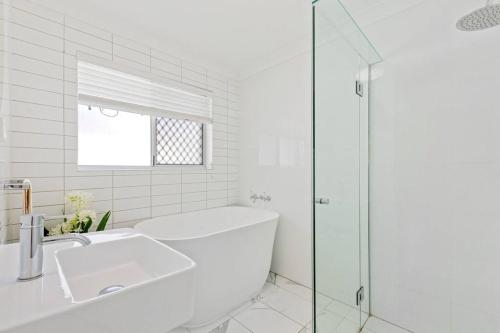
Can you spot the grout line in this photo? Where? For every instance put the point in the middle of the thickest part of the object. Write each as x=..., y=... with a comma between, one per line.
x=135, y=62
x=182, y=201
x=33, y=103
x=32, y=73
x=63, y=113
x=50, y=134
x=129, y=209
x=151, y=194
x=13, y=6
x=390, y=323
x=244, y=326
x=37, y=30
x=31, y=58
x=41, y=90
x=227, y=145
x=34, y=118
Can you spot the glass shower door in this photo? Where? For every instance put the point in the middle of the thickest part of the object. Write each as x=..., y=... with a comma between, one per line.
x=341, y=253
x=337, y=184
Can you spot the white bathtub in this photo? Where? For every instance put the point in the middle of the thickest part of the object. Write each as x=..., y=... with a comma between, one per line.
x=232, y=247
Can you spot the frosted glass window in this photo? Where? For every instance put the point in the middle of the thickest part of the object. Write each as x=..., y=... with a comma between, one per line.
x=113, y=138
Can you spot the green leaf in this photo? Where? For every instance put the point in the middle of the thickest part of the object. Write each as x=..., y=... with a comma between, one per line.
x=104, y=221
x=86, y=226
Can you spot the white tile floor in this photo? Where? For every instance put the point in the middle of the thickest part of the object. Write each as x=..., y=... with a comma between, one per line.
x=285, y=307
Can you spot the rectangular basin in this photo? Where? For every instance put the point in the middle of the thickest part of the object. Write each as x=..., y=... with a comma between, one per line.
x=127, y=262
x=132, y=284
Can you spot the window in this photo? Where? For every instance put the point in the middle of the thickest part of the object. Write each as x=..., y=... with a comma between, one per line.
x=108, y=138
x=178, y=142
x=115, y=138
x=134, y=120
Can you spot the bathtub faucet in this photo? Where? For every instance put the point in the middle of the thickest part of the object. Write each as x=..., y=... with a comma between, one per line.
x=263, y=196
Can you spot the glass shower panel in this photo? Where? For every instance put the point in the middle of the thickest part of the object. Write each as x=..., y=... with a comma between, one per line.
x=337, y=181
x=342, y=58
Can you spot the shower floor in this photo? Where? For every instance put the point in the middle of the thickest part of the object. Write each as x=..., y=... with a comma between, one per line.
x=285, y=307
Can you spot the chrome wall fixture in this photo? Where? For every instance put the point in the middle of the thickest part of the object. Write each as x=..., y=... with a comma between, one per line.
x=262, y=197
x=25, y=186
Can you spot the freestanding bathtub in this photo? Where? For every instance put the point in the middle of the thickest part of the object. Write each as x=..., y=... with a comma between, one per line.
x=232, y=247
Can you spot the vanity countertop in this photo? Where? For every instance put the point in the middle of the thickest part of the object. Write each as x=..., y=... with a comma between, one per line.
x=24, y=302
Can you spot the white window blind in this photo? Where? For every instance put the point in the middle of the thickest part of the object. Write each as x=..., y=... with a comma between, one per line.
x=111, y=88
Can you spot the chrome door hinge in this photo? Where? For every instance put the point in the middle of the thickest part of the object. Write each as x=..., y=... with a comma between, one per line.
x=360, y=295
x=359, y=88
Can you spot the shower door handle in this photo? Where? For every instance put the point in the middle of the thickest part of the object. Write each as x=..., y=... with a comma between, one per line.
x=322, y=201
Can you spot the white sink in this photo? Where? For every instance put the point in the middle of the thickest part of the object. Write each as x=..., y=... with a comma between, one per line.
x=122, y=282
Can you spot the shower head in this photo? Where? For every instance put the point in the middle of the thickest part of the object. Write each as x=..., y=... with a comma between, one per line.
x=480, y=19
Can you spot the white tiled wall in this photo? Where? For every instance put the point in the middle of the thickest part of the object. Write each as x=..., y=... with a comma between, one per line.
x=42, y=47
x=435, y=174
x=276, y=155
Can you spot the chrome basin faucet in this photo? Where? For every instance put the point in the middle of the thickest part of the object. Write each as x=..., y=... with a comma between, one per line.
x=31, y=241
x=31, y=235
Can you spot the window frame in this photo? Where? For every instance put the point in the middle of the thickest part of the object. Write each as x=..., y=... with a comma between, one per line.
x=151, y=111
x=206, y=144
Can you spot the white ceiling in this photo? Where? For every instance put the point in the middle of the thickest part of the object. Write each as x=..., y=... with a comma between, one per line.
x=238, y=36
x=419, y=25
x=229, y=35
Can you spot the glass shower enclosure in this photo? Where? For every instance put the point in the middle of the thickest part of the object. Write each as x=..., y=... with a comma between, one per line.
x=342, y=56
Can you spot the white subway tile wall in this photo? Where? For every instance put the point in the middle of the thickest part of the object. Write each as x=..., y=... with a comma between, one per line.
x=40, y=47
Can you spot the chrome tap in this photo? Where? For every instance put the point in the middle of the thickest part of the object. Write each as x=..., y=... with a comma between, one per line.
x=31, y=235
x=264, y=197
x=254, y=197
x=31, y=241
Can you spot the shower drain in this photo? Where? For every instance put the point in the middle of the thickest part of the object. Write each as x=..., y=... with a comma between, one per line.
x=111, y=289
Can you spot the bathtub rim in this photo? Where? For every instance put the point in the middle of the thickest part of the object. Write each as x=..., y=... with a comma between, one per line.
x=273, y=218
